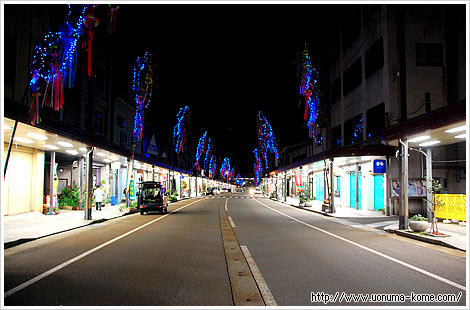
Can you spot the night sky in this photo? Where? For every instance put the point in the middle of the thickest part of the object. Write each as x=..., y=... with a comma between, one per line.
x=226, y=62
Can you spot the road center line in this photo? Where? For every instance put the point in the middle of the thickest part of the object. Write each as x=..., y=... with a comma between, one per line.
x=461, y=287
x=231, y=222
x=226, y=209
x=57, y=268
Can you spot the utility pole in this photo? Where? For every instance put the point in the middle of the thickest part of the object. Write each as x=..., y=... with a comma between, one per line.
x=89, y=182
x=404, y=185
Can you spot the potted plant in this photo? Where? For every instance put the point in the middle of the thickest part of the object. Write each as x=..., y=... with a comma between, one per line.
x=304, y=196
x=419, y=223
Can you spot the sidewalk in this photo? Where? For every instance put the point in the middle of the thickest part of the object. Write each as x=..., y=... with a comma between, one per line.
x=24, y=227
x=455, y=235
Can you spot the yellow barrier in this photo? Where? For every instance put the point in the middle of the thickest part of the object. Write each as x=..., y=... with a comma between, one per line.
x=452, y=207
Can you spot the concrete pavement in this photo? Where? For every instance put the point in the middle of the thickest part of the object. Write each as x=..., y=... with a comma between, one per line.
x=24, y=227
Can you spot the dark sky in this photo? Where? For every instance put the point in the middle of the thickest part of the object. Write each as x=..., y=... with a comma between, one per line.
x=226, y=62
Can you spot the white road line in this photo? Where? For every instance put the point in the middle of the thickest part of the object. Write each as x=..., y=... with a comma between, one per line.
x=226, y=209
x=231, y=222
x=461, y=287
x=51, y=271
x=263, y=287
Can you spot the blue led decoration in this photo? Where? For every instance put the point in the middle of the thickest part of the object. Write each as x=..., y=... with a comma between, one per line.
x=309, y=90
x=239, y=180
x=208, y=154
x=201, y=147
x=179, y=131
x=357, y=133
x=266, y=139
x=142, y=87
x=258, y=167
x=212, y=167
x=225, y=168
x=54, y=62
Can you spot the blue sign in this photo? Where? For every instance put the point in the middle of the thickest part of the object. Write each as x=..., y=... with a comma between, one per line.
x=380, y=166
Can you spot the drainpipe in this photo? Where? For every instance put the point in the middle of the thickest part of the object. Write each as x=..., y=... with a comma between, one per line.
x=357, y=186
x=429, y=208
x=332, y=190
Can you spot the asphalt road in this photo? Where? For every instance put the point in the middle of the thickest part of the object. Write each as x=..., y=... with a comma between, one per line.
x=182, y=259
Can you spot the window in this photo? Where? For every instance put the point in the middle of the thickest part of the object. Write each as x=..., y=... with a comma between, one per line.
x=374, y=58
x=121, y=122
x=336, y=90
x=336, y=137
x=124, y=139
x=98, y=122
x=375, y=120
x=352, y=77
x=353, y=129
x=429, y=54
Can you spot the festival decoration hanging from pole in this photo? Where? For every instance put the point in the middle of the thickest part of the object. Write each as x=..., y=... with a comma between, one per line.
x=179, y=131
x=239, y=180
x=258, y=167
x=309, y=90
x=201, y=148
x=112, y=20
x=54, y=63
x=225, y=168
x=208, y=154
x=91, y=22
x=212, y=167
x=266, y=139
x=142, y=86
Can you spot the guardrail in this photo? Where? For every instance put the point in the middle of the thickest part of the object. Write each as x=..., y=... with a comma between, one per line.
x=452, y=207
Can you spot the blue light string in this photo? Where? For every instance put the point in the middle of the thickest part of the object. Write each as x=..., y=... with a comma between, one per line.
x=200, y=149
x=178, y=130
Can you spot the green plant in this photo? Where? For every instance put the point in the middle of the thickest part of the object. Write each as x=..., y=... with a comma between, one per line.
x=304, y=195
x=418, y=217
x=381, y=210
x=69, y=196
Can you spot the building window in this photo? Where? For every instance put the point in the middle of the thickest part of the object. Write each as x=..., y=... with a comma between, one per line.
x=98, y=122
x=353, y=130
x=352, y=77
x=375, y=121
x=337, y=137
x=336, y=90
x=124, y=139
x=121, y=122
x=429, y=54
x=374, y=58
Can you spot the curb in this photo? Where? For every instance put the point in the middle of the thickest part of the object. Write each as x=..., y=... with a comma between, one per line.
x=431, y=240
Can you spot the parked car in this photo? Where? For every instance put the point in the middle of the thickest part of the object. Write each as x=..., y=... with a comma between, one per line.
x=255, y=190
x=211, y=191
x=152, y=197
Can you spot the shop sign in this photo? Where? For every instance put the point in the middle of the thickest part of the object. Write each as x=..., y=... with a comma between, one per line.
x=131, y=189
x=380, y=166
x=298, y=181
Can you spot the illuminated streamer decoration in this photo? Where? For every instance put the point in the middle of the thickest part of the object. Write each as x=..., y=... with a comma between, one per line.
x=142, y=87
x=258, y=167
x=179, y=131
x=208, y=154
x=266, y=140
x=112, y=17
x=212, y=167
x=309, y=90
x=201, y=147
x=225, y=168
x=91, y=22
x=54, y=63
x=239, y=180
